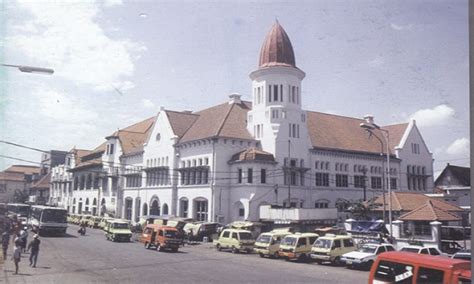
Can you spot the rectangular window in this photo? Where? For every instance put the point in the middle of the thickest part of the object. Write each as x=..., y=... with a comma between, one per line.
x=281, y=93
x=430, y=275
x=393, y=183
x=341, y=181
x=376, y=182
x=275, y=93
x=359, y=181
x=239, y=176
x=322, y=179
x=250, y=176
x=269, y=93
x=111, y=149
x=241, y=212
x=263, y=176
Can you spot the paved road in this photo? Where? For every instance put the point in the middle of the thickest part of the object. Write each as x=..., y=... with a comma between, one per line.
x=92, y=259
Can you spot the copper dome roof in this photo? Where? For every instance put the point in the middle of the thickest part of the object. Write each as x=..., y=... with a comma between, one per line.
x=276, y=49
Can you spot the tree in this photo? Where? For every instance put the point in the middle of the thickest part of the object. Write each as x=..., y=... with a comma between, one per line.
x=358, y=209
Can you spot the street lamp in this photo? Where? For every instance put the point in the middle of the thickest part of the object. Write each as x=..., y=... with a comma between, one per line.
x=370, y=126
x=30, y=69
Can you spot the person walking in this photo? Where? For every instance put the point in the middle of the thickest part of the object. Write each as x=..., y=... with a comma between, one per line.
x=33, y=247
x=5, y=242
x=16, y=256
x=24, y=238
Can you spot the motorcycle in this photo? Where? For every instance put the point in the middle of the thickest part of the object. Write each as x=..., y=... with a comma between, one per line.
x=82, y=231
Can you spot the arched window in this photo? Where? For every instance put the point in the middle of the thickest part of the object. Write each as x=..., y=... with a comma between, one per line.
x=155, y=207
x=183, y=207
x=165, y=209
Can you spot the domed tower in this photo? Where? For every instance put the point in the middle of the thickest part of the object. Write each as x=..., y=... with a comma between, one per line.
x=277, y=119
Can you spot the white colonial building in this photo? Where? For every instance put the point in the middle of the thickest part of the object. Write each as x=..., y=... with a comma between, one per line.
x=224, y=162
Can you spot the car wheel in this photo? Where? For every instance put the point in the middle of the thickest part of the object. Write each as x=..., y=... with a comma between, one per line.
x=234, y=250
x=218, y=247
x=261, y=255
x=174, y=249
x=318, y=261
x=159, y=247
x=147, y=245
x=337, y=261
x=369, y=264
x=276, y=255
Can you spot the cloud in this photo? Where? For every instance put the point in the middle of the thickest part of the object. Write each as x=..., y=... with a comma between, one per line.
x=400, y=27
x=459, y=148
x=439, y=115
x=377, y=61
x=148, y=104
x=66, y=37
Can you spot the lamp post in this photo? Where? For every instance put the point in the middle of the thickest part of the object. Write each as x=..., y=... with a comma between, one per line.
x=370, y=126
x=30, y=69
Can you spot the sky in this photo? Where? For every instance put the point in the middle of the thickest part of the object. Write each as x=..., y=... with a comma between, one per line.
x=117, y=61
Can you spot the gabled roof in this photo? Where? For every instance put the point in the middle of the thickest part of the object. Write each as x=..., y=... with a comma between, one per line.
x=181, y=121
x=24, y=169
x=43, y=183
x=12, y=176
x=252, y=154
x=408, y=201
x=461, y=174
x=132, y=137
x=224, y=120
x=429, y=212
x=337, y=132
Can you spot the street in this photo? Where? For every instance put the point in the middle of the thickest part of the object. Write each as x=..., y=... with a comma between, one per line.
x=91, y=258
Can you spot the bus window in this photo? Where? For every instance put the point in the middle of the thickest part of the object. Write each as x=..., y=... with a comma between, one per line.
x=394, y=272
x=429, y=275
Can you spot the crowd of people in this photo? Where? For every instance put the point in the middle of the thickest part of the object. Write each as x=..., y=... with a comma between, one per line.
x=16, y=233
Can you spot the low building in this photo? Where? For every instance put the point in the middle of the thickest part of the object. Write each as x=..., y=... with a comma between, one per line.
x=17, y=180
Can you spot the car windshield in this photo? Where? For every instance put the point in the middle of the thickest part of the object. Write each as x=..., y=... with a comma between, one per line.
x=323, y=243
x=54, y=216
x=289, y=241
x=120, y=226
x=415, y=250
x=368, y=249
x=170, y=234
x=245, y=236
x=20, y=210
x=264, y=239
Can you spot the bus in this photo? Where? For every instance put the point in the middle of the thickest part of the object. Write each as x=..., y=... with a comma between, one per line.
x=44, y=219
x=21, y=211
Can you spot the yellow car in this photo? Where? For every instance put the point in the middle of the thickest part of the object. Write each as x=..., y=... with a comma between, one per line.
x=235, y=240
x=331, y=248
x=268, y=244
x=297, y=246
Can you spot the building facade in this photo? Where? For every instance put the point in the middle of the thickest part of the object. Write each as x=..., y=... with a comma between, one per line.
x=225, y=162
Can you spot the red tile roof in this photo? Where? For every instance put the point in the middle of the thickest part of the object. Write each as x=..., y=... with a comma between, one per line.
x=181, y=121
x=24, y=169
x=429, y=212
x=224, y=120
x=252, y=154
x=12, y=176
x=408, y=201
x=43, y=183
x=329, y=131
x=277, y=49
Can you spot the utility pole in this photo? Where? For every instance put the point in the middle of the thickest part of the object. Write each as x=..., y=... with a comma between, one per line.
x=364, y=171
x=289, y=174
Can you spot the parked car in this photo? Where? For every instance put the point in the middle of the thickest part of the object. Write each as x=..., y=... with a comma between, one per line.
x=403, y=267
x=450, y=247
x=365, y=256
x=463, y=254
x=160, y=237
x=423, y=250
x=117, y=230
x=331, y=248
x=93, y=222
x=297, y=246
x=103, y=221
x=235, y=240
x=268, y=244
